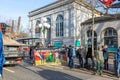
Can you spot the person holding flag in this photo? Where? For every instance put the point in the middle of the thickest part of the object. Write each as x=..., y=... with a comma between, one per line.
x=2, y=58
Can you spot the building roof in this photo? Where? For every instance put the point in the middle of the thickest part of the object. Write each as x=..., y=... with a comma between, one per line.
x=58, y=4
x=109, y=17
x=46, y=8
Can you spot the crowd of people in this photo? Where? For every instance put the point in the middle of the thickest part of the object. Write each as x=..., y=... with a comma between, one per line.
x=98, y=62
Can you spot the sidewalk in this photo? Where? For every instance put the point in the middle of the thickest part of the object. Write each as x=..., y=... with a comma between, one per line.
x=106, y=75
x=109, y=72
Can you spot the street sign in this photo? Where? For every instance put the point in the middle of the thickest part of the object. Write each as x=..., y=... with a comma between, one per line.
x=58, y=44
x=77, y=44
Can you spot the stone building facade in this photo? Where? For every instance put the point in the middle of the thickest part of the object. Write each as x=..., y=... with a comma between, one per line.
x=106, y=32
x=64, y=17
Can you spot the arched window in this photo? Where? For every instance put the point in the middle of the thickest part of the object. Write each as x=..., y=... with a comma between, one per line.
x=48, y=40
x=37, y=29
x=110, y=39
x=37, y=23
x=89, y=35
x=48, y=20
x=59, y=26
x=110, y=32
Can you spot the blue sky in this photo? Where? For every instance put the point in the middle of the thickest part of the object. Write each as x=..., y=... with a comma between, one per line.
x=12, y=9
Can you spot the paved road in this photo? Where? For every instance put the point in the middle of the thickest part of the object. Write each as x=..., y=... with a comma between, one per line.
x=29, y=72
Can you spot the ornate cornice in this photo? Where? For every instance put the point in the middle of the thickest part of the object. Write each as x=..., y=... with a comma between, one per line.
x=109, y=17
x=50, y=7
x=59, y=4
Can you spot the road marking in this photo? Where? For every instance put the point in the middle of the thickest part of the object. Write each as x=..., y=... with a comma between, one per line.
x=9, y=70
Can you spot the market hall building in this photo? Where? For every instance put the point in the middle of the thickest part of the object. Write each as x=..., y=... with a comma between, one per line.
x=106, y=32
x=65, y=18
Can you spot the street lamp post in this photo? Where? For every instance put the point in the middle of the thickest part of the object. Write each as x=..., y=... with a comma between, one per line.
x=92, y=28
x=44, y=26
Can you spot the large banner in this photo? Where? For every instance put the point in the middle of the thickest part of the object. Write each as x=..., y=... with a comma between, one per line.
x=49, y=58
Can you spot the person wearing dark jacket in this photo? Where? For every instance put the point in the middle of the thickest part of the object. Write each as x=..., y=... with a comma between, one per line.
x=106, y=57
x=31, y=52
x=89, y=55
x=69, y=55
x=81, y=53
